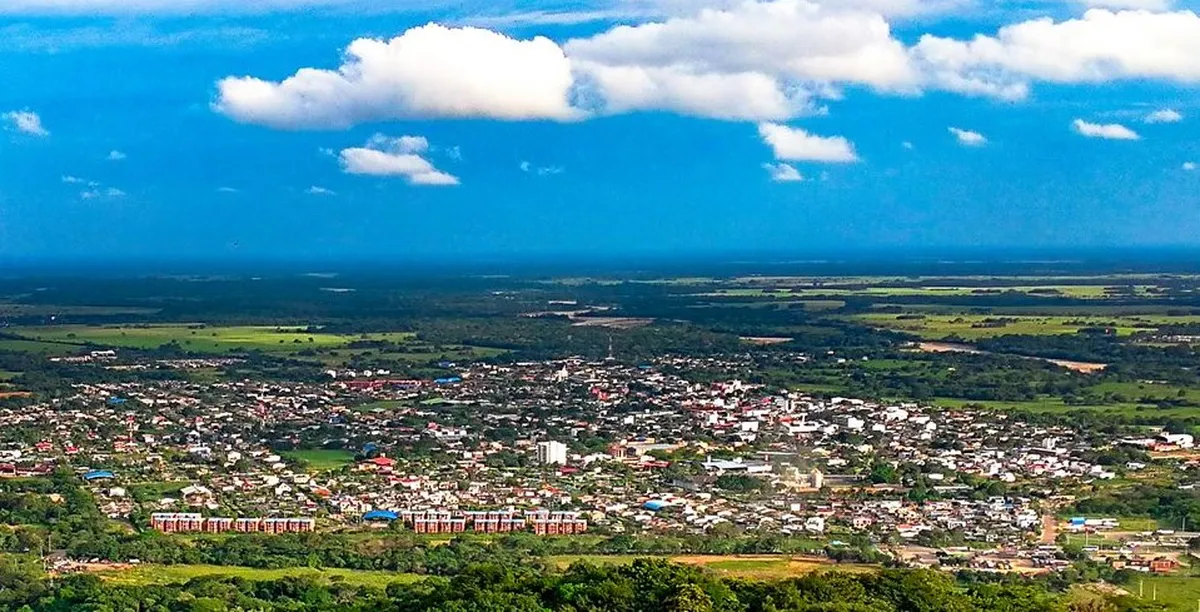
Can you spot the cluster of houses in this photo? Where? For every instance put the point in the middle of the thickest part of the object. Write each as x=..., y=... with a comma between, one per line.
x=557, y=447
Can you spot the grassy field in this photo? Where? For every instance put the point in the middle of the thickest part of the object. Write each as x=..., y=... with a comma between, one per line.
x=168, y=574
x=1137, y=391
x=1056, y=405
x=762, y=567
x=975, y=326
x=199, y=338
x=1178, y=592
x=49, y=349
x=321, y=460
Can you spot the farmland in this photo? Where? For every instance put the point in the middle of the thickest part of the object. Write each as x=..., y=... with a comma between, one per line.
x=976, y=326
x=196, y=337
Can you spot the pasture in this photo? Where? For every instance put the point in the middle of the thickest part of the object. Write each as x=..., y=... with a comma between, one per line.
x=147, y=574
x=977, y=326
x=198, y=338
x=321, y=460
x=760, y=567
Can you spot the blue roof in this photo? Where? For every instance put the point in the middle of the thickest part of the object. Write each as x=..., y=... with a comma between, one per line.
x=655, y=505
x=98, y=474
x=380, y=515
x=116, y=400
x=448, y=380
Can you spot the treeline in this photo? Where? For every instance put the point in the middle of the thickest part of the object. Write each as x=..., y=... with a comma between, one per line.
x=642, y=586
x=1169, y=505
x=1175, y=364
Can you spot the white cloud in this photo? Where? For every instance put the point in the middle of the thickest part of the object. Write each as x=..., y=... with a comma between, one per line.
x=430, y=71
x=115, y=155
x=541, y=170
x=228, y=190
x=26, y=122
x=795, y=144
x=320, y=191
x=967, y=138
x=72, y=180
x=1166, y=115
x=1189, y=166
x=1101, y=46
x=783, y=173
x=384, y=156
x=1110, y=131
x=752, y=60
x=110, y=192
x=907, y=145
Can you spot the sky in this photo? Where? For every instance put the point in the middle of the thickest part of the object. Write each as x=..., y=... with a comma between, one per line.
x=392, y=129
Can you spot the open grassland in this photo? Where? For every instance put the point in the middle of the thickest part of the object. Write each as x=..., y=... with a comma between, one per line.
x=321, y=460
x=1057, y=405
x=49, y=349
x=167, y=574
x=762, y=567
x=976, y=326
x=199, y=338
x=1179, y=592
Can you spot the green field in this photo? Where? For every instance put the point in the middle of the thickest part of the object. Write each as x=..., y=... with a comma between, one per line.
x=321, y=460
x=1057, y=405
x=1179, y=592
x=199, y=338
x=167, y=574
x=975, y=326
x=49, y=349
x=760, y=567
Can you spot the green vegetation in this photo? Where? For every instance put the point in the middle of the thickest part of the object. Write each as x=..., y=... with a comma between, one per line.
x=974, y=327
x=196, y=337
x=320, y=460
x=141, y=575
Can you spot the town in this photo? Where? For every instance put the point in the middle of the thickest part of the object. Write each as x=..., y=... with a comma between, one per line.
x=569, y=446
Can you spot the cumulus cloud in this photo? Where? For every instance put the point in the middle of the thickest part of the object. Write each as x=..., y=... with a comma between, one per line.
x=320, y=191
x=1166, y=115
x=1101, y=46
x=429, y=71
x=795, y=144
x=967, y=138
x=402, y=157
x=72, y=180
x=115, y=155
x=783, y=173
x=1110, y=131
x=26, y=122
x=1189, y=166
x=752, y=60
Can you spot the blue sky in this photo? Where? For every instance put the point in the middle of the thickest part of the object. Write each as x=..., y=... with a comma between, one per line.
x=199, y=129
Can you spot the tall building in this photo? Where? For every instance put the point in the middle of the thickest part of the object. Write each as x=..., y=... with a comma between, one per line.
x=552, y=453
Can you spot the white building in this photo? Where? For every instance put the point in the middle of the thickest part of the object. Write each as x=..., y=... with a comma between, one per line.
x=552, y=453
